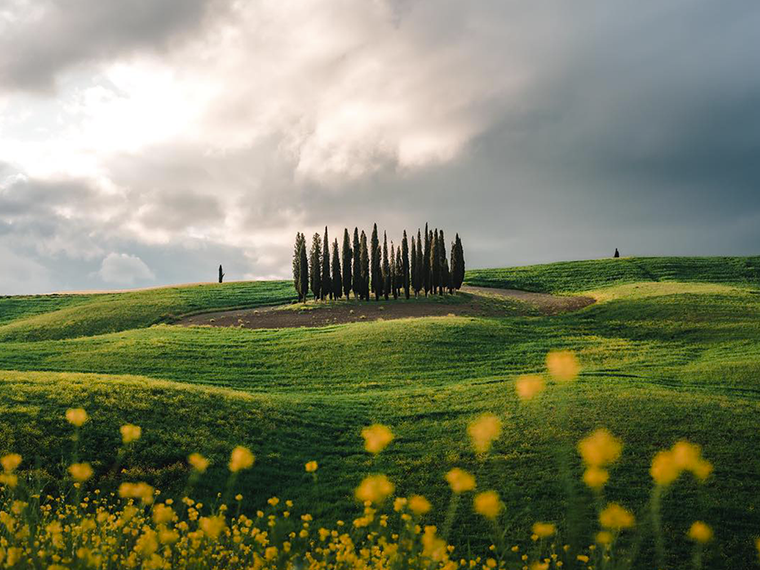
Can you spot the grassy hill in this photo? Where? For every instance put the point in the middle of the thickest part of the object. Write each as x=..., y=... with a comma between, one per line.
x=670, y=350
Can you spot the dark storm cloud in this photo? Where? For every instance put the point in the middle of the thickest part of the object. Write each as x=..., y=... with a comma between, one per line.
x=47, y=37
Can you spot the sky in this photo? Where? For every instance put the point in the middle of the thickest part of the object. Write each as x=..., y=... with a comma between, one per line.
x=145, y=142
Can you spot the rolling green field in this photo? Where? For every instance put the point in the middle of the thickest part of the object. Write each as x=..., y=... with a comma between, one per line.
x=670, y=350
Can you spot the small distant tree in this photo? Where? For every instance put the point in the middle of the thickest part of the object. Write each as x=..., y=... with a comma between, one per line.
x=327, y=290
x=386, y=268
x=347, y=256
x=445, y=276
x=405, y=265
x=357, y=265
x=426, y=266
x=414, y=268
x=221, y=274
x=392, y=272
x=377, y=280
x=364, y=257
x=315, y=266
x=337, y=280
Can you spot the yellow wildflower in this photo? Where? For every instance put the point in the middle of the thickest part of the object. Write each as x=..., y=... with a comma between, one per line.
x=419, y=505
x=80, y=472
x=241, y=458
x=10, y=462
x=700, y=532
x=162, y=514
x=198, y=462
x=311, y=466
x=600, y=448
x=376, y=438
x=141, y=491
x=483, y=431
x=529, y=386
x=664, y=468
x=375, y=489
x=487, y=504
x=460, y=480
x=212, y=527
x=544, y=530
x=604, y=537
x=596, y=478
x=616, y=517
x=76, y=416
x=563, y=366
x=130, y=433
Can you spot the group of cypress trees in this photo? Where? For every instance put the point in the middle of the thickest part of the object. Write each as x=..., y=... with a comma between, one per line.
x=330, y=272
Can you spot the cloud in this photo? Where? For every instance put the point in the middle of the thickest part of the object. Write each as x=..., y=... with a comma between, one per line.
x=539, y=131
x=124, y=269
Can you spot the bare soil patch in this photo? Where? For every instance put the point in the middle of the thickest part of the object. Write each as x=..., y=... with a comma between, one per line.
x=476, y=301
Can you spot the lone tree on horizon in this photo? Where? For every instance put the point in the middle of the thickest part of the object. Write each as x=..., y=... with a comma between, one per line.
x=221, y=274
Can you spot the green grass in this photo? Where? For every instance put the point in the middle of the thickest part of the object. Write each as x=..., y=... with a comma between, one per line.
x=663, y=360
x=577, y=276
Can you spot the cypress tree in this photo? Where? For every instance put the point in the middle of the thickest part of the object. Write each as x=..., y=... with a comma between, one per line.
x=357, y=274
x=425, y=267
x=392, y=272
x=457, y=271
x=405, y=265
x=347, y=254
x=377, y=282
x=414, y=267
x=420, y=284
x=315, y=266
x=327, y=290
x=337, y=281
x=364, y=258
x=435, y=262
x=444, y=278
x=386, y=268
x=303, y=268
x=399, y=274
x=297, y=265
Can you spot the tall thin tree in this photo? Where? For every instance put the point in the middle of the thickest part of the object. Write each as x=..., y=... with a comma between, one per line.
x=414, y=267
x=327, y=290
x=435, y=262
x=297, y=265
x=426, y=267
x=457, y=272
x=347, y=255
x=386, y=273
x=444, y=278
x=357, y=265
x=399, y=273
x=303, y=269
x=405, y=265
x=315, y=266
x=337, y=278
x=392, y=272
x=364, y=257
x=377, y=278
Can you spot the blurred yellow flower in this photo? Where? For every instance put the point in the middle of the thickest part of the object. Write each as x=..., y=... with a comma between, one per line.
x=544, y=530
x=375, y=489
x=311, y=466
x=212, y=527
x=198, y=462
x=616, y=517
x=595, y=478
x=241, y=458
x=419, y=505
x=700, y=532
x=162, y=514
x=664, y=468
x=460, y=480
x=80, y=472
x=487, y=504
x=141, y=491
x=600, y=448
x=604, y=537
x=528, y=387
x=563, y=366
x=9, y=479
x=376, y=438
x=483, y=431
x=130, y=433
x=10, y=462
x=76, y=416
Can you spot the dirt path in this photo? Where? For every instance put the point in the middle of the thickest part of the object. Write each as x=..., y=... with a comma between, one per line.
x=544, y=302
x=479, y=301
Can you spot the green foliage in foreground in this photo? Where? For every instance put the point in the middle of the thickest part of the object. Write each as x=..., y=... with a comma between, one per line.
x=662, y=360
